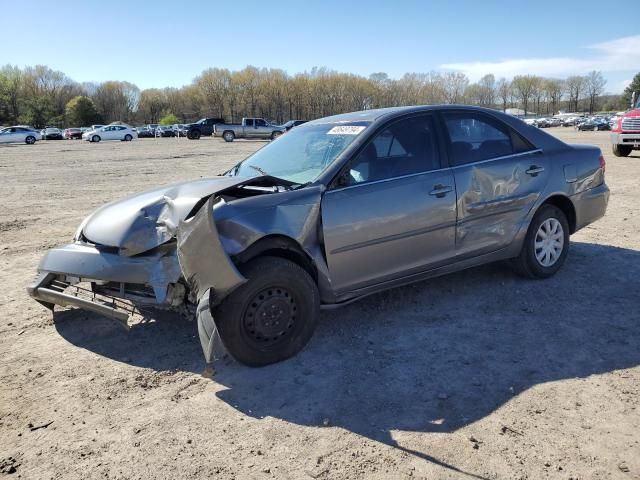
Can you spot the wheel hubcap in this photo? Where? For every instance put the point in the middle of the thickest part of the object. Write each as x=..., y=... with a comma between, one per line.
x=270, y=316
x=549, y=242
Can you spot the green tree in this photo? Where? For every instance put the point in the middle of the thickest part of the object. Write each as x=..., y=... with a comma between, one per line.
x=169, y=119
x=81, y=111
x=37, y=112
x=634, y=86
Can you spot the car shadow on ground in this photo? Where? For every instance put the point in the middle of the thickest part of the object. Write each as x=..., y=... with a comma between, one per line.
x=431, y=357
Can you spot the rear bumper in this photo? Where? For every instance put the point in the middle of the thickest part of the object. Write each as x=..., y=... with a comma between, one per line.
x=590, y=205
x=631, y=139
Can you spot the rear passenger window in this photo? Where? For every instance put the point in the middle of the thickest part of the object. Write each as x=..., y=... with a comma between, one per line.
x=405, y=147
x=475, y=137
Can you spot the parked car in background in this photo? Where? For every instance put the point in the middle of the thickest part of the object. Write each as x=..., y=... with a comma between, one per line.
x=19, y=134
x=165, y=131
x=180, y=130
x=203, y=127
x=145, y=132
x=111, y=132
x=335, y=210
x=256, y=128
x=593, y=124
x=543, y=123
x=72, y=134
x=292, y=123
x=51, y=133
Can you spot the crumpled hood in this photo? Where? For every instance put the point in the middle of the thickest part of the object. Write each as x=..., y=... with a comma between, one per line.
x=143, y=221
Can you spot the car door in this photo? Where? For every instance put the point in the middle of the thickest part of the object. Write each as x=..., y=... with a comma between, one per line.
x=392, y=210
x=498, y=175
x=249, y=128
x=262, y=130
x=8, y=135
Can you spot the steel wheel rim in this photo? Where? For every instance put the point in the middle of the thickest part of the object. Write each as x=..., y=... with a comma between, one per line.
x=549, y=242
x=270, y=316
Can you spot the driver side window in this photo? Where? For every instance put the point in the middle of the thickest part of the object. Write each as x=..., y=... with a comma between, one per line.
x=405, y=147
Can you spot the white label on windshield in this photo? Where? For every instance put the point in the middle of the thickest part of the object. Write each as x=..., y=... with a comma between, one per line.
x=346, y=130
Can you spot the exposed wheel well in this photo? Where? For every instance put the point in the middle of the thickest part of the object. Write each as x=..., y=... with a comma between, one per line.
x=566, y=205
x=278, y=246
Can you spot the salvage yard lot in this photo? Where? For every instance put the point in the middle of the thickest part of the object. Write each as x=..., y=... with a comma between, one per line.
x=479, y=374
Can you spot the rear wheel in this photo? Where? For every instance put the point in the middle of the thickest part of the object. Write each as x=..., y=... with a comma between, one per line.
x=228, y=136
x=96, y=138
x=622, y=150
x=546, y=244
x=128, y=138
x=30, y=140
x=272, y=316
x=275, y=135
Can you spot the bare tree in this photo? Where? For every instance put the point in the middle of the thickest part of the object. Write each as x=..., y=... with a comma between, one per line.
x=575, y=86
x=503, y=91
x=523, y=87
x=594, y=84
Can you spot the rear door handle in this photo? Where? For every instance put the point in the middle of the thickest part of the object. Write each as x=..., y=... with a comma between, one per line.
x=534, y=170
x=440, y=190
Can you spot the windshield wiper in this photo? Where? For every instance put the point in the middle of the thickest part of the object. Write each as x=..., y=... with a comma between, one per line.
x=262, y=172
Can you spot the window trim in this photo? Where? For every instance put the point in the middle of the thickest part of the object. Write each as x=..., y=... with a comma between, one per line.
x=443, y=157
x=512, y=132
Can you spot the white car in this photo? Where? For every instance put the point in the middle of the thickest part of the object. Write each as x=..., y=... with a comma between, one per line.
x=19, y=135
x=111, y=132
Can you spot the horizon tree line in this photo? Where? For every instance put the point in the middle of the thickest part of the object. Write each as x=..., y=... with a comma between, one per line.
x=41, y=96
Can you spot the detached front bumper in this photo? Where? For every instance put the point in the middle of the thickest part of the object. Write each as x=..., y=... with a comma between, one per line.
x=76, y=263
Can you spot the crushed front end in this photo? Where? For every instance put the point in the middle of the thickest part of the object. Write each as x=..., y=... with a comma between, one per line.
x=102, y=280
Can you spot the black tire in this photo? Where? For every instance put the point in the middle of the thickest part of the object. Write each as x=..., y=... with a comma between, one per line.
x=128, y=138
x=622, y=150
x=527, y=264
x=272, y=316
x=30, y=140
x=194, y=135
x=275, y=135
x=228, y=136
x=96, y=138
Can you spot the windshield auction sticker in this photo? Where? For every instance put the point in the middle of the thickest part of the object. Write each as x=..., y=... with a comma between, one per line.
x=346, y=130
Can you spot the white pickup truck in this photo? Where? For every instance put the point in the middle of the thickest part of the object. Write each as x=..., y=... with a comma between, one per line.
x=249, y=128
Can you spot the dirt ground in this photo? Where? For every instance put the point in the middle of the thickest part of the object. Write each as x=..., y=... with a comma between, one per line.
x=479, y=374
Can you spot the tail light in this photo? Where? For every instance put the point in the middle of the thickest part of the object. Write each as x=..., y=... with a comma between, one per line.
x=603, y=163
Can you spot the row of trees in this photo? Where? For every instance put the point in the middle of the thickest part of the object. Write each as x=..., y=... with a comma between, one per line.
x=39, y=95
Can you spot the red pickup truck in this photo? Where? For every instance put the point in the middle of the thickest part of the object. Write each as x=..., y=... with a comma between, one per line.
x=625, y=134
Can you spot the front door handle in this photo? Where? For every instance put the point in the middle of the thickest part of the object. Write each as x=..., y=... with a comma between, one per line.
x=440, y=190
x=534, y=170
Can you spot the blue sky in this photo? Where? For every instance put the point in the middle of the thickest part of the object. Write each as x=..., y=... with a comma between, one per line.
x=157, y=43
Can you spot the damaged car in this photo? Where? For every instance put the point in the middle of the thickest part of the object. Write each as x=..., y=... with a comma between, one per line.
x=337, y=209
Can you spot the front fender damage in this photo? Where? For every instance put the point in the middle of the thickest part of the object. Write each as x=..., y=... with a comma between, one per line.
x=209, y=272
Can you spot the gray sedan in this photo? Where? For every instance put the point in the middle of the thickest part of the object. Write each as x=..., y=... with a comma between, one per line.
x=337, y=209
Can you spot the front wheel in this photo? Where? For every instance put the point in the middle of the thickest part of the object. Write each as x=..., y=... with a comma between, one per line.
x=275, y=135
x=622, y=150
x=228, y=136
x=195, y=135
x=272, y=316
x=546, y=244
x=30, y=140
x=95, y=138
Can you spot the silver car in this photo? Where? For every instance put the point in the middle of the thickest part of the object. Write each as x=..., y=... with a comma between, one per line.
x=337, y=209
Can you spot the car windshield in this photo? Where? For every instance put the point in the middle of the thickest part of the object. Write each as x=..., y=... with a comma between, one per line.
x=302, y=154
